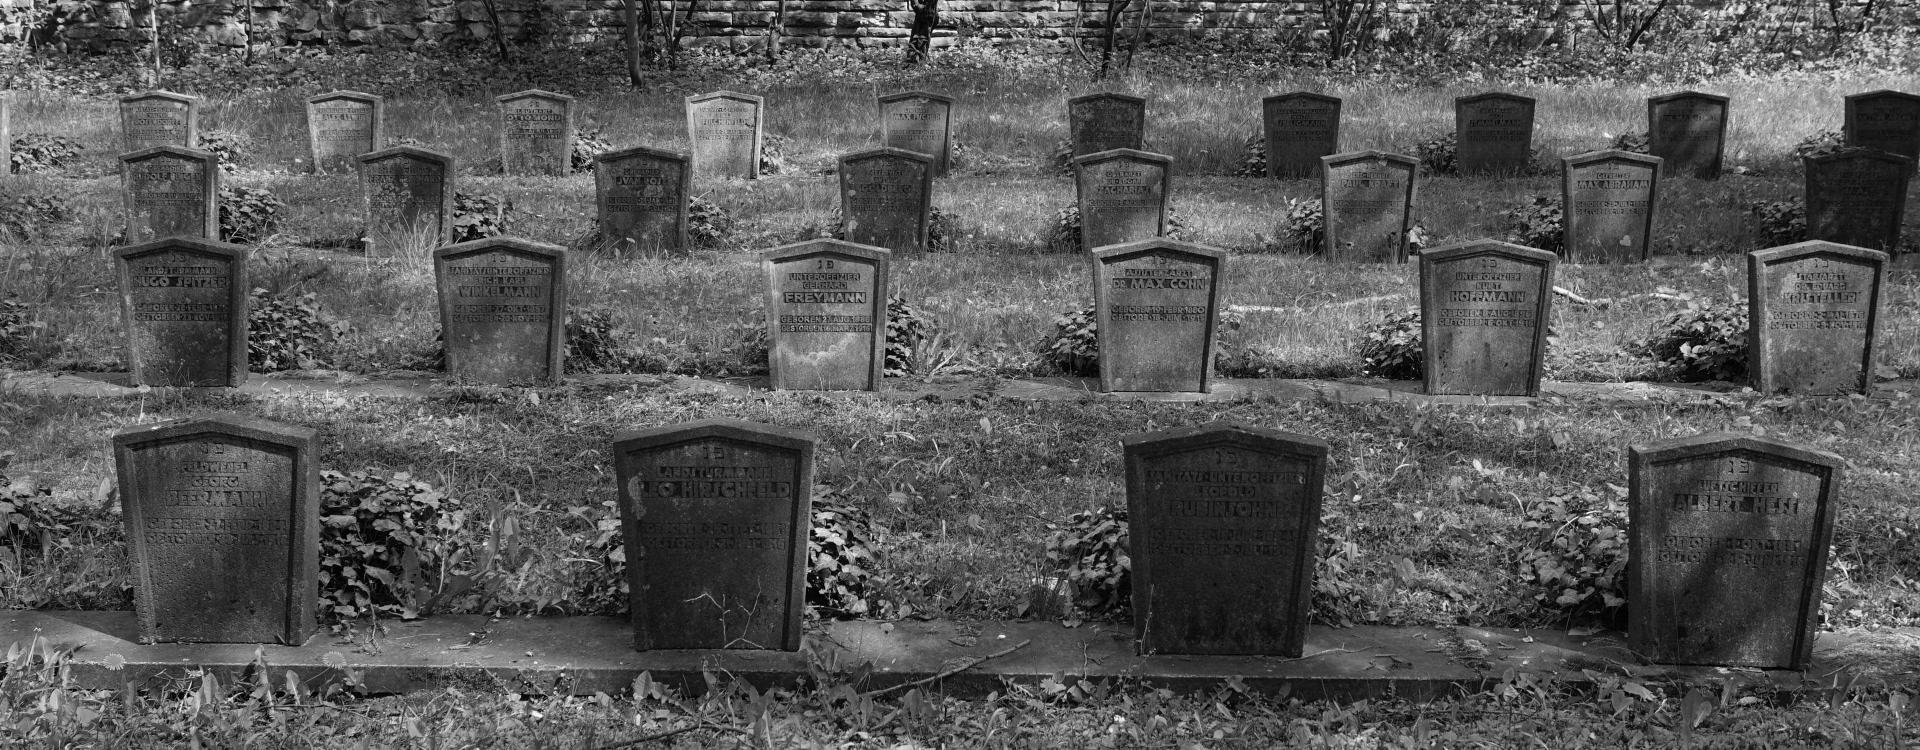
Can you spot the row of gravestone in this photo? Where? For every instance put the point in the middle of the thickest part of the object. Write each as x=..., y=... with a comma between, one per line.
x=1813, y=312
x=1728, y=537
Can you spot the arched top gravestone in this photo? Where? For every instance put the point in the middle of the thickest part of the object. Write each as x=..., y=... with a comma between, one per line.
x=1689, y=130
x=184, y=303
x=642, y=194
x=1156, y=303
x=1300, y=128
x=1813, y=317
x=1106, y=121
x=1122, y=196
x=503, y=310
x=408, y=194
x=342, y=125
x=920, y=122
x=1609, y=199
x=1493, y=133
x=1884, y=121
x=725, y=129
x=1857, y=196
x=1367, y=204
x=886, y=195
x=536, y=133
x=171, y=191
x=826, y=315
x=159, y=118
x=1483, y=315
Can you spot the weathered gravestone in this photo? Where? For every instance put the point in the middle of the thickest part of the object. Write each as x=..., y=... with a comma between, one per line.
x=885, y=197
x=184, y=301
x=1884, y=121
x=536, y=133
x=1107, y=121
x=1122, y=196
x=725, y=128
x=503, y=310
x=171, y=192
x=1483, y=314
x=919, y=122
x=1689, y=131
x=409, y=198
x=1609, y=199
x=1728, y=548
x=159, y=118
x=1156, y=303
x=715, y=515
x=1225, y=519
x=1813, y=317
x=1367, y=205
x=342, y=125
x=1493, y=133
x=223, y=529
x=643, y=198
x=1857, y=197
x=826, y=315
x=1301, y=127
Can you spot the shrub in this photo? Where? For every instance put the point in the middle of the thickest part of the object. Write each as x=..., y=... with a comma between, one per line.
x=942, y=227
x=840, y=576
x=248, y=215
x=1303, y=227
x=1820, y=144
x=1437, y=154
x=229, y=148
x=1706, y=341
x=586, y=145
x=23, y=216
x=1393, y=348
x=1253, y=158
x=382, y=540
x=1538, y=224
x=288, y=333
x=1064, y=237
x=907, y=326
x=774, y=148
x=1638, y=143
x=597, y=343
x=708, y=224
x=18, y=328
x=30, y=520
x=1073, y=347
x=1580, y=562
x=42, y=152
x=477, y=216
x=1781, y=222
x=1091, y=552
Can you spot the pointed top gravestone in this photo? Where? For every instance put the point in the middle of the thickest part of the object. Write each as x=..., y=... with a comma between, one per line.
x=408, y=197
x=716, y=516
x=1609, y=199
x=886, y=196
x=1367, y=205
x=536, y=133
x=1884, y=121
x=184, y=300
x=1122, y=196
x=1483, y=315
x=1225, y=521
x=159, y=118
x=342, y=125
x=503, y=310
x=171, y=192
x=826, y=315
x=1813, y=317
x=1728, y=549
x=921, y=122
x=1106, y=121
x=223, y=529
x=1156, y=304
x=1300, y=128
x=643, y=198
x=1857, y=197
x=1493, y=133
x=725, y=129
x=1689, y=130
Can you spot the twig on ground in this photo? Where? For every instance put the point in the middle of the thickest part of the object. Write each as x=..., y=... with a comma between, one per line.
x=657, y=736
x=949, y=673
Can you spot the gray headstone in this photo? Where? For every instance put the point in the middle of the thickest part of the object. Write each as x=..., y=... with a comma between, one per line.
x=1884, y=121
x=342, y=125
x=159, y=118
x=885, y=197
x=1493, y=133
x=223, y=529
x=1483, y=313
x=827, y=315
x=1857, y=197
x=1366, y=199
x=1689, y=131
x=184, y=301
x=1301, y=127
x=1729, y=538
x=1609, y=199
x=920, y=122
x=1156, y=304
x=503, y=310
x=643, y=198
x=1106, y=121
x=1813, y=317
x=725, y=128
x=171, y=192
x=715, y=515
x=408, y=195
x=1122, y=195
x=536, y=133
x=1224, y=522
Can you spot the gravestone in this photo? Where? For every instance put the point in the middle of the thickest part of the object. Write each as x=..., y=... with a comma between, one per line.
x=1856, y=197
x=1106, y=121
x=1367, y=205
x=1493, y=133
x=1728, y=538
x=643, y=198
x=1884, y=121
x=6, y=135
x=716, y=516
x=408, y=194
x=1122, y=195
x=885, y=197
x=725, y=128
x=1301, y=127
x=503, y=310
x=1225, y=519
x=184, y=301
x=1156, y=303
x=1483, y=313
x=919, y=122
x=223, y=529
x=536, y=133
x=1813, y=317
x=826, y=315
x=1689, y=131
x=159, y=118
x=342, y=125
x=1609, y=198
x=171, y=192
